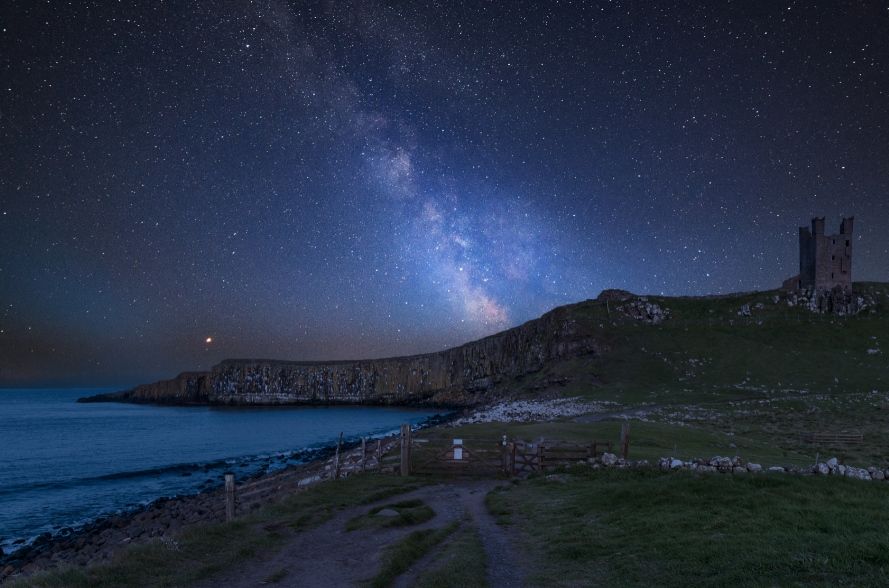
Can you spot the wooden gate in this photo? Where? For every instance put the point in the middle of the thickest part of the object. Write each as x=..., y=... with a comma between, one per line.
x=524, y=457
x=457, y=456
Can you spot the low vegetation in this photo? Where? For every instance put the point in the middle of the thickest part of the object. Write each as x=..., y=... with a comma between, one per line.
x=403, y=554
x=409, y=512
x=461, y=563
x=638, y=528
x=705, y=351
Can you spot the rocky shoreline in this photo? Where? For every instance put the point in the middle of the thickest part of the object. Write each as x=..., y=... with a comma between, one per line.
x=99, y=541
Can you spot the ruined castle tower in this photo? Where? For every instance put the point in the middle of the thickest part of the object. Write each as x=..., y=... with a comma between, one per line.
x=825, y=261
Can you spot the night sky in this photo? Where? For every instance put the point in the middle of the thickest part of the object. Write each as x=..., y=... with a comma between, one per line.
x=331, y=180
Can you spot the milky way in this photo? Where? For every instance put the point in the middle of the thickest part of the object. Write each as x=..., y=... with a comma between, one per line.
x=182, y=182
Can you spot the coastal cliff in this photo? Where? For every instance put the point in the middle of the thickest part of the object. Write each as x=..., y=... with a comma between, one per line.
x=461, y=376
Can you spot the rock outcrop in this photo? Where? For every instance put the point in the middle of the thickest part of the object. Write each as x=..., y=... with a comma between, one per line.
x=462, y=376
x=838, y=301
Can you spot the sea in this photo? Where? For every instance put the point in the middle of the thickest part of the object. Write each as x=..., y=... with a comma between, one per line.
x=64, y=464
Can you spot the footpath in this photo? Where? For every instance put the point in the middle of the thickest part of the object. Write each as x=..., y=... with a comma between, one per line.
x=331, y=555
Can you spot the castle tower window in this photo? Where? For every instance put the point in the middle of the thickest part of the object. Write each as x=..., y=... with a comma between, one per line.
x=847, y=242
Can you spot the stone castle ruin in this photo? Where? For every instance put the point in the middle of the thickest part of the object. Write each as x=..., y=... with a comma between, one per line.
x=825, y=261
x=824, y=282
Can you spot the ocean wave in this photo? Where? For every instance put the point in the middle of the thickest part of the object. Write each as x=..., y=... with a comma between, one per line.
x=185, y=468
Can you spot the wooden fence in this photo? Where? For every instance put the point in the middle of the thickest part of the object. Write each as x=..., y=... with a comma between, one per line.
x=370, y=455
x=434, y=454
x=482, y=456
x=833, y=439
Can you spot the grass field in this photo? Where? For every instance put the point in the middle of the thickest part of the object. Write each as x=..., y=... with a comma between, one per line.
x=641, y=528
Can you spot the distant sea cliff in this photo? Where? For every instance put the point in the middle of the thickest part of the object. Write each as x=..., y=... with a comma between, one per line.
x=461, y=376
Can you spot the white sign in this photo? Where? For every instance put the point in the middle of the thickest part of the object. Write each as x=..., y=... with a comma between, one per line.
x=458, y=453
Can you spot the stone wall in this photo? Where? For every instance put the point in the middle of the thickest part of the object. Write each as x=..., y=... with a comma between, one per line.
x=737, y=465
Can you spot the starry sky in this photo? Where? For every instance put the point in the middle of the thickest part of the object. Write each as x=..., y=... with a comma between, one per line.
x=348, y=179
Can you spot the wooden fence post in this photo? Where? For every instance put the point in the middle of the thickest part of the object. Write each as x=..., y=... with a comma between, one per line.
x=405, y=450
x=363, y=452
x=625, y=439
x=336, y=458
x=380, y=455
x=229, y=497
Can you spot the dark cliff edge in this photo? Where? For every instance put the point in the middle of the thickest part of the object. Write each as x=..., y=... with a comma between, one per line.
x=462, y=376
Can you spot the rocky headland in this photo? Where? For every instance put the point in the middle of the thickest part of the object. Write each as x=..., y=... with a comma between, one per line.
x=467, y=375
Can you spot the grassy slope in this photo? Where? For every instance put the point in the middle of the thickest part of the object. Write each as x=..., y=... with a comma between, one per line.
x=636, y=528
x=706, y=352
x=765, y=379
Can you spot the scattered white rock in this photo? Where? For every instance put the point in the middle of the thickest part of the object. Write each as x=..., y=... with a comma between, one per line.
x=736, y=465
x=647, y=312
x=609, y=459
x=309, y=481
x=524, y=411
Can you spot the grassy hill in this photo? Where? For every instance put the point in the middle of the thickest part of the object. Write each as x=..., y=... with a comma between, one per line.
x=705, y=351
x=709, y=371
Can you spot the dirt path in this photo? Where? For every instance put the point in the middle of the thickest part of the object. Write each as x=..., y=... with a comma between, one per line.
x=503, y=564
x=328, y=555
x=504, y=567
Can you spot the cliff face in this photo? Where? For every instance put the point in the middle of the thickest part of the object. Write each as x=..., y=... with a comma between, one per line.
x=186, y=388
x=458, y=377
